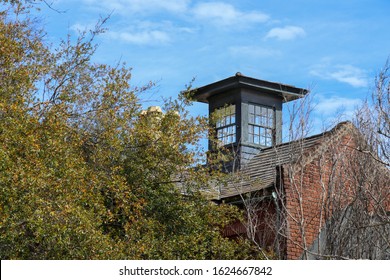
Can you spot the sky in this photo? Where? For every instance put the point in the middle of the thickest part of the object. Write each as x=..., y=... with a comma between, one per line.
x=334, y=48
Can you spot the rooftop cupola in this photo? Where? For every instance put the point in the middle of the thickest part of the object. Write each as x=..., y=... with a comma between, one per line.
x=249, y=113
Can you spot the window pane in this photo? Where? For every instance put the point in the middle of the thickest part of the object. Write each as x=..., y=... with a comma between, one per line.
x=251, y=109
x=225, y=116
x=227, y=134
x=251, y=118
x=261, y=122
x=227, y=120
x=268, y=142
x=257, y=130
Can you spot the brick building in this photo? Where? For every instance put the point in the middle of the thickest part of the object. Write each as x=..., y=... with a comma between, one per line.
x=302, y=198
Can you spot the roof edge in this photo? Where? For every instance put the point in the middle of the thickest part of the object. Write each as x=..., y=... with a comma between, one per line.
x=288, y=92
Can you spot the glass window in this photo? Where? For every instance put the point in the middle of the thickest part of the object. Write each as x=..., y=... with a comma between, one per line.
x=260, y=126
x=226, y=124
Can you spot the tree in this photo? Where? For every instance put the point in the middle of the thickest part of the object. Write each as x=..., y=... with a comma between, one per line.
x=84, y=172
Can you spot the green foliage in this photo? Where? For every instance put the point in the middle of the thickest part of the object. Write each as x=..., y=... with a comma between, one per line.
x=84, y=173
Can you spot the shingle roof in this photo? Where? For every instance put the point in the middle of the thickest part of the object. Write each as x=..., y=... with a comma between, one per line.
x=260, y=172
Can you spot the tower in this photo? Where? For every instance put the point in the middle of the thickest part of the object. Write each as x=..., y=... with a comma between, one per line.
x=248, y=113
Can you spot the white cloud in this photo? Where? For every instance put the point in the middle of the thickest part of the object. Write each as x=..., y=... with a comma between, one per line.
x=79, y=28
x=146, y=37
x=350, y=75
x=286, y=33
x=140, y=32
x=253, y=51
x=330, y=110
x=147, y=33
x=224, y=14
x=218, y=13
x=137, y=6
x=343, y=73
x=330, y=106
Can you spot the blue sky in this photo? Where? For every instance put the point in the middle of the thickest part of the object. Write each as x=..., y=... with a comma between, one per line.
x=332, y=47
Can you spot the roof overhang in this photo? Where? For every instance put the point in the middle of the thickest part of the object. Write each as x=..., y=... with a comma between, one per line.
x=286, y=92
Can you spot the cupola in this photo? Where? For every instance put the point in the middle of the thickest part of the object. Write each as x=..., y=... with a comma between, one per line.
x=249, y=113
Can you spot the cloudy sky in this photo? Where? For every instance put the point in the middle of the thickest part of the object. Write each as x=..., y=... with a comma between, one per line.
x=332, y=47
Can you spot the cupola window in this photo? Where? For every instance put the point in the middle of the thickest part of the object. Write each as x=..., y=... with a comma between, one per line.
x=226, y=124
x=260, y=125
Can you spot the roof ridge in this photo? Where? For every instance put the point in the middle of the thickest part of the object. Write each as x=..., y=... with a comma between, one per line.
x=337, y=132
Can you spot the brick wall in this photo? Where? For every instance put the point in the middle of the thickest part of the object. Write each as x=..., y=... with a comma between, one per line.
x=305, y=208
x=334, y=178
x=311, y=187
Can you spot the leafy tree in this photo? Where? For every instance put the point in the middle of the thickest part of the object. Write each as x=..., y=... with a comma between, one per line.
x=84, y=172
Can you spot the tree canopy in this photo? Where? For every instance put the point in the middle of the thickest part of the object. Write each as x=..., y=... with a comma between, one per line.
x=85, y=173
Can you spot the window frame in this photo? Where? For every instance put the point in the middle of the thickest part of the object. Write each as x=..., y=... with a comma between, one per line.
x=226, y=129
x=261, y=124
